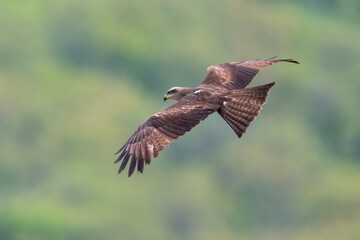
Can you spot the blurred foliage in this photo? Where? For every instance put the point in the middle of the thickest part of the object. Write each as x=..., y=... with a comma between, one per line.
x=78, y=77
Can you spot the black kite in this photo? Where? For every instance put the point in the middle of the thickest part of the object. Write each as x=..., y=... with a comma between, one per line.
x=221, y=91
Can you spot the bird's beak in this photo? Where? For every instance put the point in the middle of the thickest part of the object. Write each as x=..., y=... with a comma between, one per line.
x=166, y=98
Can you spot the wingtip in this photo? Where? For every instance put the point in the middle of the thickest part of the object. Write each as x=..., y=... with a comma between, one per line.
x=117, y=152
x=117, y=160
x=271, y=84
x=293, y=61
x=288, y=60
x=120, y=149
x=281, y=60
x=120, y=157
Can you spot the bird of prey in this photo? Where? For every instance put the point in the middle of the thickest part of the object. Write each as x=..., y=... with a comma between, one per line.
x=222, y=91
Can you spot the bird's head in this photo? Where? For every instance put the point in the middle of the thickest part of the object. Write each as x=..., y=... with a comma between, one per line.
x=174, y=93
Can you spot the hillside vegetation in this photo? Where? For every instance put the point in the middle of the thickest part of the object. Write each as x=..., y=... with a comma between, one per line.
x=78, y=77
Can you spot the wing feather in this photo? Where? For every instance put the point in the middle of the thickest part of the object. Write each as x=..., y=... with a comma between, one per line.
x=143, y=149
x=124, y=162
x=237, y=75
x=141, y=165
x=132, y=165
x=159, y=130
x=149, y=152
x=121, y=156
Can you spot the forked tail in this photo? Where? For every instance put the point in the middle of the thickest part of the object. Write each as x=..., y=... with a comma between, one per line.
x=241, y=106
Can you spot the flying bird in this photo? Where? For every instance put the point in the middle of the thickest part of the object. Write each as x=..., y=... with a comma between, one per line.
x=222, y=91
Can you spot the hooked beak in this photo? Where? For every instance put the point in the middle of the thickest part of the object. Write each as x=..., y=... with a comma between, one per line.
x=166, y=98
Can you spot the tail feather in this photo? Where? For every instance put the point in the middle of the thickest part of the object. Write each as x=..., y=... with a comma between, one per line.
x=241, y=106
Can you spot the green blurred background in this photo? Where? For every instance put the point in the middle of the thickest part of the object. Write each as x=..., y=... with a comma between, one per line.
x=78, y=77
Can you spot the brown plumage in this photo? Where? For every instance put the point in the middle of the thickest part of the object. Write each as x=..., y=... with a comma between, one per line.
x=222, y=90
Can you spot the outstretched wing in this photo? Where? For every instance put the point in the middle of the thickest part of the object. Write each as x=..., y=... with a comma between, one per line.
x=159, y=130
x=237, y=75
